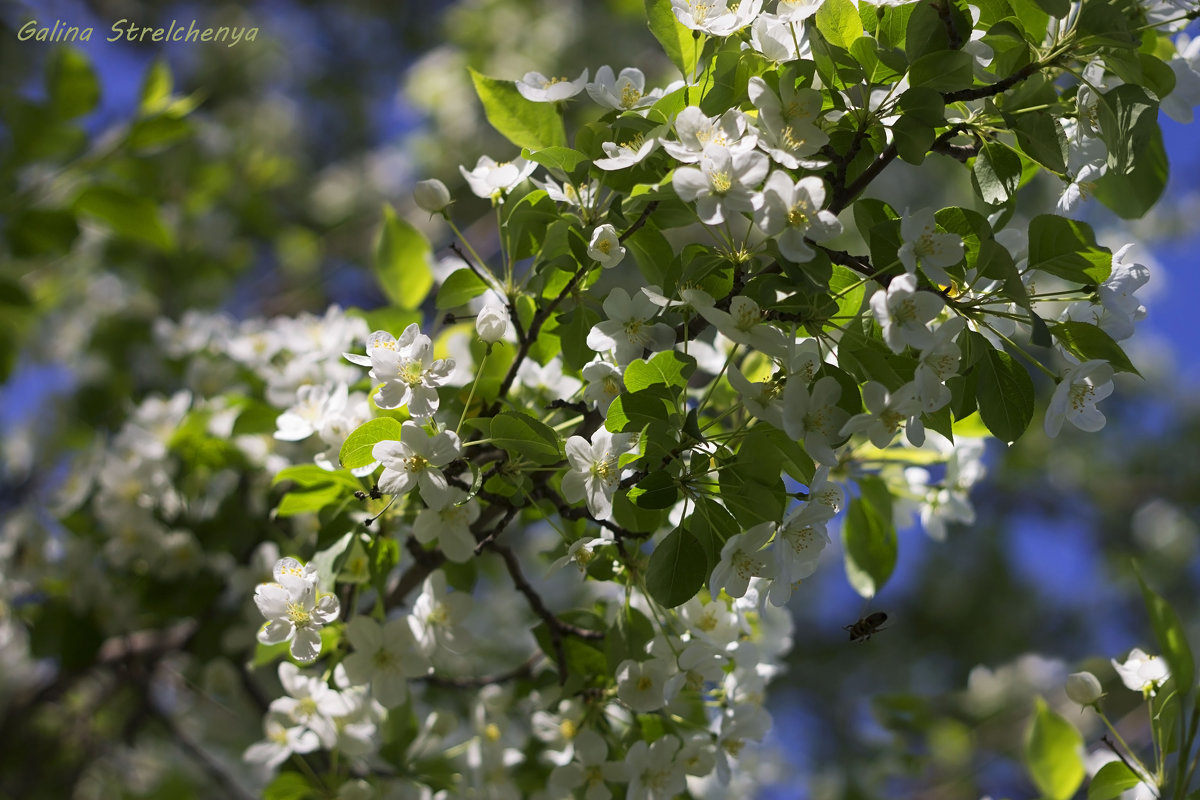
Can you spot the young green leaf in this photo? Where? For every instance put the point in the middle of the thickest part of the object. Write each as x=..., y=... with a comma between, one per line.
x=356, y=450
x=523, y=122
x=1169, y=634
x=401, y=263
x=1005, y=395
x=677, y=569
x=1052, y=754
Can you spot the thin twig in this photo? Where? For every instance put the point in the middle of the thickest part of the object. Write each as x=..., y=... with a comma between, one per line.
x=523, y=670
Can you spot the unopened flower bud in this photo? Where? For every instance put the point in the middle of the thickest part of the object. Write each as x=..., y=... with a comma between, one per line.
x=432, y=195
x=605, y=246
x=492, y=323
x=1084, y=688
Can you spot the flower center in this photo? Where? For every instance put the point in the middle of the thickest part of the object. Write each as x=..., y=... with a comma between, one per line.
x=410, y=372
x=298, y=615
x=416, y=463
x=798, y=215
x=720, y=181
x=630, y=96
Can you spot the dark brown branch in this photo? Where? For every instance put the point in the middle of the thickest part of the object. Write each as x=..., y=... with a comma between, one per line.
x=554, y=626
x=993, y=89
x=650, y=208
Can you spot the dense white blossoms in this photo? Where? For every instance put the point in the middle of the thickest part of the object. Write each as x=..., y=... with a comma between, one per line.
x=743, y=557
x=295, y=609
x=715, y=17
x=724, y=183
x=623, y=92
x=385, y=656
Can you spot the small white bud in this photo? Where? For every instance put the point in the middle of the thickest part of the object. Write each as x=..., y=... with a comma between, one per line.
x=432, y=195
x=492, y=323
x=605, y=246
x=1084, y=688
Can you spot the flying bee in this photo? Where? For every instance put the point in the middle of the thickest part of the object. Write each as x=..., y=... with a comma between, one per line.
x=866, y=626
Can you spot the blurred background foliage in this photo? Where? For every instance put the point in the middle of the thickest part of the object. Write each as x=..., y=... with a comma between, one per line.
x=139, y=181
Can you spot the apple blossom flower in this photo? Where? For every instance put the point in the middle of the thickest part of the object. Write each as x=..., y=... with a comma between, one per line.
x=699, y=132
x=1119, y=308
x=762, y=400
x=791, y=212
x=923, y=245
x=385, y=656
x=548, y=379
x=283, y=738
x=407, y=372
x=438, y=615
x=1185, y=63
x=416, y=460
x=1074, y=399
x=743, y=323
x=622, y=92
x=799, y=541
x=629, y=152
x=432, y=196
x=641, y=685
x=715, y=17
x=653, y=771
x=295, y=609
x=605, y=246
x=537, y=87
x=576, y=196
x=309, y=701
x=814, y=418
x=603, y=384
x=628, y=331
x=902, y=312
x=886, y=413
x=938, y=363
x=313, y=403
x=1141, y=672
x=594, y=474
x=797, y=10
x=491, y=323
x=450, y=526
x=724, y=183
x=743, y=558
x=787, y=124
x=1084, y=688
x=589, y=760
x=779, y=39
x=492, y=180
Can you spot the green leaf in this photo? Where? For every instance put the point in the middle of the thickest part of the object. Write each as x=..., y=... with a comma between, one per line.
x=944, y=70
x=401, y=263
x=156, y=87
x=309, y=500
x=1005, y=395
x=127, y=215
x=1067, y=248
x=1088, y=341
x=310, y=475
x=839, y=23
x=40, y=231
x=73, y=86
x=523, y=122
x=669, y=368
x=1170, y=637
x=561, y=158
x=634, y=411
x=997, y=172
x=1132, y=194
x=290, y=786
x=1041, y=138
x=521, y=434
x=913, y=139
x=680, y=44
x=1113, y=779
x=657, y=490
x=460, y=288
x=1052, y=754
x=1055, y=8
x=1128, y=120
x=356, y=450
x=869, y=538
x=573, y=328
x=677, y=569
